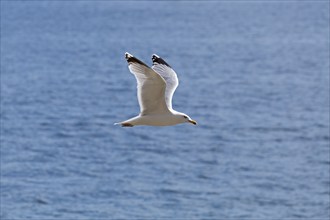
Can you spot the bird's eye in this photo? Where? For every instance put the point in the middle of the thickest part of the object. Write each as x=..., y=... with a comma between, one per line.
x=185, y=116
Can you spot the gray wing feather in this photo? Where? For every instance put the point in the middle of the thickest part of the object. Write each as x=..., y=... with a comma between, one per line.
x=169, y=75
x=150, y=87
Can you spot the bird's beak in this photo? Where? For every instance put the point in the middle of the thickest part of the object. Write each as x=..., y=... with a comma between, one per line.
x=193, y=122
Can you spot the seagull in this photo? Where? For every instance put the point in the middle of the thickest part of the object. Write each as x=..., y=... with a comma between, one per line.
x=155, y=89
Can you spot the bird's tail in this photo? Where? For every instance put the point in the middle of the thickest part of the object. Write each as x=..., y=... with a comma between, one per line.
x=124, y=124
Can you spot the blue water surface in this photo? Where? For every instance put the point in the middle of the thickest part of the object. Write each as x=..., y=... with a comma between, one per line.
x=254, y=74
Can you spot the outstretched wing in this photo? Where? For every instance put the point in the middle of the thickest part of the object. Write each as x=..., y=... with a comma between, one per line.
x=168, y=74
x=150, y=87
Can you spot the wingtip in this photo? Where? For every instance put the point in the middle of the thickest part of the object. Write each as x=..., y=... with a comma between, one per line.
x=128, y=55
x=131, y=59
x=158, y=60
x=154, y=57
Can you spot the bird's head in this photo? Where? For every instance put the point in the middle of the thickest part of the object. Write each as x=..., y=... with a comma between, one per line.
x=183, y=118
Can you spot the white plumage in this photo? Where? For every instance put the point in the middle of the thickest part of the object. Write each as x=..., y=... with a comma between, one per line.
x=169, y=76
x=155, y=89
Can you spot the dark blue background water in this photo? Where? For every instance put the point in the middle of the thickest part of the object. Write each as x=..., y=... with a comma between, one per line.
x=254, y=74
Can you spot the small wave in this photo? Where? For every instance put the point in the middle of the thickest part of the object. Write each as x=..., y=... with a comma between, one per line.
x=275, y=129
x=41, y=201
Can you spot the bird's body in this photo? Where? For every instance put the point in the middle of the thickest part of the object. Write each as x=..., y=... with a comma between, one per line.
x=166, y=119
x=155, y=89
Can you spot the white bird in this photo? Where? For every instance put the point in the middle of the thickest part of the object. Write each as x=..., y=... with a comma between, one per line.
x=155, y=89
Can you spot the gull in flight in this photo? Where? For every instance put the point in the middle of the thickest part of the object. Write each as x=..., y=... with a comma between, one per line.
x=155, y=89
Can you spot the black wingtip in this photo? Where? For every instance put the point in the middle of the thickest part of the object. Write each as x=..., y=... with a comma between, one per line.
x=154, y=57
x=158, y=60
x=131, y=59
x=128, y=55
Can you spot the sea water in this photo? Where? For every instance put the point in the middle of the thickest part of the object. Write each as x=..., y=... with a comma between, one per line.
x=253, y=74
